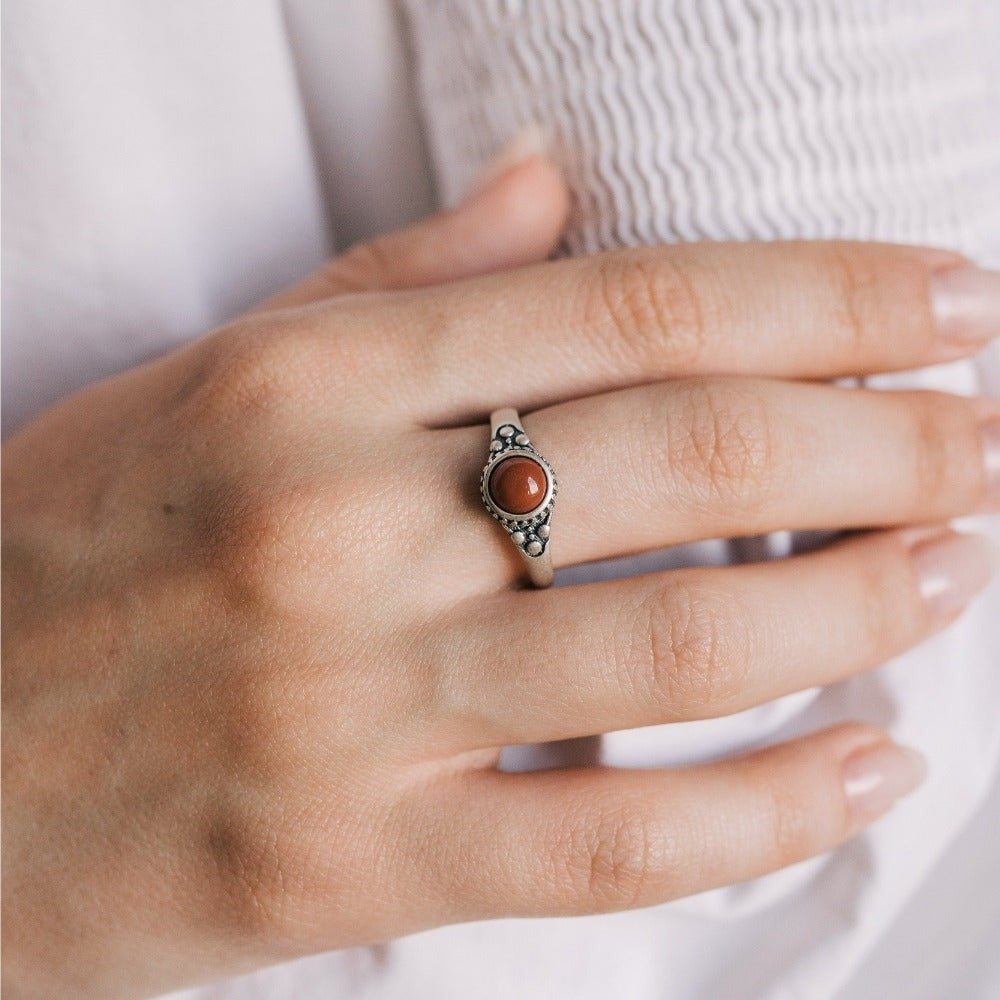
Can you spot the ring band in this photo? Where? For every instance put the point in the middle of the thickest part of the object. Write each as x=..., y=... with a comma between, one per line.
x=519, y=488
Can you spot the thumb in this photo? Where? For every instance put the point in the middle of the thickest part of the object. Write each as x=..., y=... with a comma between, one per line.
x=513, y=216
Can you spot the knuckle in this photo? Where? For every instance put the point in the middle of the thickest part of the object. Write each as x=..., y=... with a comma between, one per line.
x=948, y=470
x=723, y=445
x=277, y=548
x=696, y=653
x=888, y=604
x=616, y=859
x=257, y=875
x=656, y=314
x=259, y=835
x=271, y=546
x=275, y=870
x=441, y=694
x=249, y=371
x=792, y=834
x=932, y=451
x=251, y=850
x=440, y=701
x=364, y=267
x=259, y=543
x=877, y=288
x=876, y=616
x=855, y=279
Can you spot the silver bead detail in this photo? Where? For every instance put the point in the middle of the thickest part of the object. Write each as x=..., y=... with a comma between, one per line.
x=495, y=445
x=534, y=548
x=522, y=439
x=542, y=531
x=506, y=431
x=517, y=538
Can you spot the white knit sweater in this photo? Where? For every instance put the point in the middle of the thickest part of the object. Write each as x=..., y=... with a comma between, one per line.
x=730, y=119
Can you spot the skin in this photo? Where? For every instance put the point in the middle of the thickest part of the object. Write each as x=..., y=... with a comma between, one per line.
x=258, y=654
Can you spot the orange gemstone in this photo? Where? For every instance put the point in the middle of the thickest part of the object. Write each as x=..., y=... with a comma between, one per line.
x=518, y=484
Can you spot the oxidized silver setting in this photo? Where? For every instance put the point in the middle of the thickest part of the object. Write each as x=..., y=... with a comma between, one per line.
x=531, y=531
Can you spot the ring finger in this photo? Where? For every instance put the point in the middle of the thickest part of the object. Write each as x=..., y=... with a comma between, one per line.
x=689, y=459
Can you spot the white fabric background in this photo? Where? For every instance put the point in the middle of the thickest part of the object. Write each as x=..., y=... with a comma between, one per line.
x=166, y=165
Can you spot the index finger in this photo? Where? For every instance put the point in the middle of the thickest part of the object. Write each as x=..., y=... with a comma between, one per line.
x=570, y=328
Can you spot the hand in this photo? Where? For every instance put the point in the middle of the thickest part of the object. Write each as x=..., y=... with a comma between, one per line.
x=262, y=641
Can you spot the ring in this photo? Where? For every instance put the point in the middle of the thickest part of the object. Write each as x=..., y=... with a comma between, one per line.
x=519, y=490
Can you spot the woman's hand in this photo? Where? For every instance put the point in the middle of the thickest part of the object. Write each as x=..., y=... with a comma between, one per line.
x=263, y=642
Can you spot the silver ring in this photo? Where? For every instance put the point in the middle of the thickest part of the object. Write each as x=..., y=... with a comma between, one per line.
x=519, y=490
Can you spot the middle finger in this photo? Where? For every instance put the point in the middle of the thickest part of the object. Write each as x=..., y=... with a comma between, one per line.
x=696, y=643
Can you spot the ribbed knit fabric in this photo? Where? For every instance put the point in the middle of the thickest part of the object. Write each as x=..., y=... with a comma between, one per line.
x=730, y=119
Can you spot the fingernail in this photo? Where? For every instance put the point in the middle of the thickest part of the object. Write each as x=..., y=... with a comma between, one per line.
x=989, y=433
x=966, y=302
x=527, y=143
x=876, y=776
x=952, y=569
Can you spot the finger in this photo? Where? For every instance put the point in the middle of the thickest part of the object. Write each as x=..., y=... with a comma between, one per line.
x=570, y=328
x=697, y=643
x=597, y=840
x=515, y=218
x=705, y=458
